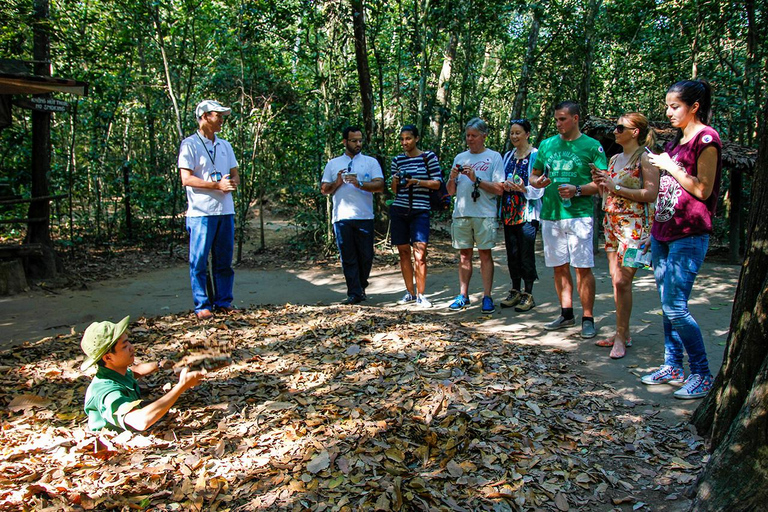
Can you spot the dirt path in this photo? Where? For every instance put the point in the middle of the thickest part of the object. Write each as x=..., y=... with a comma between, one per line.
x=32, y=316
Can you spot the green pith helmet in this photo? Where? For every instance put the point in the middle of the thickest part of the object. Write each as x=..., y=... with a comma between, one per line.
x=99, y=338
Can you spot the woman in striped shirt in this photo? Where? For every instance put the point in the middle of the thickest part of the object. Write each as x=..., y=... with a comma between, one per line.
x=414, y=174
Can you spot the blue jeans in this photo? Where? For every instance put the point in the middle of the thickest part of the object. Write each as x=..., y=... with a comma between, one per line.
x=213, y=234
x=354, y=239
x=675, y=266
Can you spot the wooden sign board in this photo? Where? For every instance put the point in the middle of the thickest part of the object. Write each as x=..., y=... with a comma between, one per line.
x=42, y=104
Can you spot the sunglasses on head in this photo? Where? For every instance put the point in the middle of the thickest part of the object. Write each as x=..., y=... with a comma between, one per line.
x=620, y=128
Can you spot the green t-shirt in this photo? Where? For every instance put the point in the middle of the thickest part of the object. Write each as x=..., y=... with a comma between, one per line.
x=568, y=161
x=109, y=397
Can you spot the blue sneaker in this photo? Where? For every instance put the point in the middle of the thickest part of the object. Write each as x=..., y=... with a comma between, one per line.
x=665, y=374
x=695, y=386
x=488, y=306
x=460, y=303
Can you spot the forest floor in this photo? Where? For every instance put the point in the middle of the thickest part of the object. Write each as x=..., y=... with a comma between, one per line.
x=313, y=406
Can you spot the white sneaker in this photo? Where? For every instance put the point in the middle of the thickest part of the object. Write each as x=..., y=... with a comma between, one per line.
x=422, y=302
x=407, y=299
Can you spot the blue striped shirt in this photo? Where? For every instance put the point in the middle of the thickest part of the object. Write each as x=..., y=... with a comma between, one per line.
x=415, y=168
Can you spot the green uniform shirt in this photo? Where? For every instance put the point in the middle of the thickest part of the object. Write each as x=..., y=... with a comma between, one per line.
x=109, y=397
x=568, y=161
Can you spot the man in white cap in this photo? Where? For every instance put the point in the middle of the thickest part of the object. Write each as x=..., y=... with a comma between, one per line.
x=208, y=170
x=113, y=399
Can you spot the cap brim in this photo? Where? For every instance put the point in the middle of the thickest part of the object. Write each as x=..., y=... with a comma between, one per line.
x=120, y=328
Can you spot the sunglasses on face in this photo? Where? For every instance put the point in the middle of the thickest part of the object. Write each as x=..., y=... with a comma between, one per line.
x=620, y=128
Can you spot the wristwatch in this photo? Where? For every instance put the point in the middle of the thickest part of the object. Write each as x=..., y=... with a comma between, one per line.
x=578, y=191
x=617, y=188
x=477, y=180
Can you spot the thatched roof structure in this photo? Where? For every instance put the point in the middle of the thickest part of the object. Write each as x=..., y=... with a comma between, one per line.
x=736, y=157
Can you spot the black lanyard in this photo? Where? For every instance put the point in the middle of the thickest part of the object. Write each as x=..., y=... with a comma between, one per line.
x=212, y=158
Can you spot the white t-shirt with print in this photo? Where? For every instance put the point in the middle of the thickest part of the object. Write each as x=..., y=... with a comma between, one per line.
x=489, y=166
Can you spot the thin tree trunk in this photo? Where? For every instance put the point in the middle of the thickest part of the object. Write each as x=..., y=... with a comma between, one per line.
x=526, y=73
x=167, y=69
x=363, y=70
x=444, y=91
x=587, y=64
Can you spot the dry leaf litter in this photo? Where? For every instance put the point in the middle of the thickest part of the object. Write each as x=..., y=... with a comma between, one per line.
x=338, y=409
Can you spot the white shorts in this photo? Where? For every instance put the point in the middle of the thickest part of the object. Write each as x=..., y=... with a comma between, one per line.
x=568, y=241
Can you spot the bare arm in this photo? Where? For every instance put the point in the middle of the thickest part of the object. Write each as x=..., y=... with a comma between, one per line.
x=650, y=189
x=327, y=188
x=144, y=369
x=700, y=186
x=188, y=179
x=375, y=185
x=538, y=180
x=142, y=419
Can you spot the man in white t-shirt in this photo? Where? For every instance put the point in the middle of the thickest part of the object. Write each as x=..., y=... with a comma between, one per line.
x=351, y=179
x=208, y=170
x=476, y=180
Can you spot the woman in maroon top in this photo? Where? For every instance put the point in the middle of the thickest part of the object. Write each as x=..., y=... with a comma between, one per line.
x=689, y=185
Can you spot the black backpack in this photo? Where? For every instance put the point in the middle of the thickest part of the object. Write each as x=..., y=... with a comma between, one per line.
x=440, y=199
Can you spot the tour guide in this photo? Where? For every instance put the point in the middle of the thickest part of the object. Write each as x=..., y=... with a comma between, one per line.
x=113, y=399
x=208, y=169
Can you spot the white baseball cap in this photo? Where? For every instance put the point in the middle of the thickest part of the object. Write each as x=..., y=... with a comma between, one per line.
x=211, y=106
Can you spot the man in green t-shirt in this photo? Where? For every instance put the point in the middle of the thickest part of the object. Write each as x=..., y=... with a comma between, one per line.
x=113, y=399
x=566, y=216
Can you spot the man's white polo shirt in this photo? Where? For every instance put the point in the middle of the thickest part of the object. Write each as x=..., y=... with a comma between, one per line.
x=349, y=202
x=198, y=153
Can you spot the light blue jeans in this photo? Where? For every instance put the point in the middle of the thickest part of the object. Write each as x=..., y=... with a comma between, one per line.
x=214, y=234
x=675, y=266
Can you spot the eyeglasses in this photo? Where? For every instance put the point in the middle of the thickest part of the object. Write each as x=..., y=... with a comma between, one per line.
x=517, y=121
x=620, y=128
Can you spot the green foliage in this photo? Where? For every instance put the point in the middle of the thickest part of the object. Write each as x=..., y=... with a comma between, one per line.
x=288, y=70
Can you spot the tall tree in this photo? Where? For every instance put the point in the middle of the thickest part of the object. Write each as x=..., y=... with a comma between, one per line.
x=363, y=69
x=735, y=413
x=38, y=230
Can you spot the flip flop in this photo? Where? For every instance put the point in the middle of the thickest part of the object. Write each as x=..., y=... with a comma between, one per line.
x=609, y=343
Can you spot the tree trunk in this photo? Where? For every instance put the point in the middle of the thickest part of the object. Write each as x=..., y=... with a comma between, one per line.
x=526, y=73
x=586, y=66
x=735, y=413
x=363, y=70
x=38, y=231
x=444, y=91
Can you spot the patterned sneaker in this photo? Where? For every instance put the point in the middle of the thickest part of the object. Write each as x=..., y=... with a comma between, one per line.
x=422, y=302
x=696, y=386
x=512, y=300
x=488, y=306
x=526, y=303
x=407, y=299
x=663, y=375
x=460, y=303
x=559, y=323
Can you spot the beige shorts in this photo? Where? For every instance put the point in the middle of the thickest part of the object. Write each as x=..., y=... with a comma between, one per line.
x=568, y=241
x=470, y=232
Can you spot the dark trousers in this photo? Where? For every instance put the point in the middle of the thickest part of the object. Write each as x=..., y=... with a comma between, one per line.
x=520, y=242
x=354, y=239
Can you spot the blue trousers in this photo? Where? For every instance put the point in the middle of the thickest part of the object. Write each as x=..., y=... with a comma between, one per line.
x=675, y=266
x=214, y=234
x=354, y=238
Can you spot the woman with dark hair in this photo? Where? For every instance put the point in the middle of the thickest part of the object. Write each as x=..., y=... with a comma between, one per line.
x=629, y=187
x=689, y=186
x=520, y=208
x=414, y=174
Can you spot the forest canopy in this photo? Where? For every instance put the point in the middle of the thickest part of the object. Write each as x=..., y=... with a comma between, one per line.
x=289, y=70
